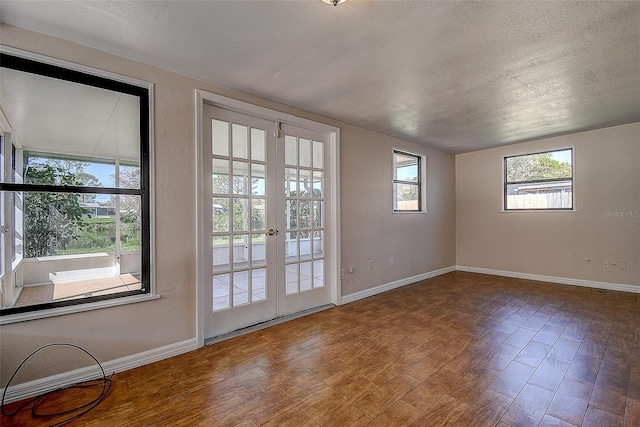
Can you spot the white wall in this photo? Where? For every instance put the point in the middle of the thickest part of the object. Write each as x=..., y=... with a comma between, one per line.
x=419, y=243
x=557, y=244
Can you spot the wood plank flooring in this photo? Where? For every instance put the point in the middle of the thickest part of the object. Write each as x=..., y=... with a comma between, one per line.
x=460, y=349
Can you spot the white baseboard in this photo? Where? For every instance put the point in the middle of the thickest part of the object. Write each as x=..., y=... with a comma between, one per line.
x=396, y=284
x=37, y=387
x=562, y=280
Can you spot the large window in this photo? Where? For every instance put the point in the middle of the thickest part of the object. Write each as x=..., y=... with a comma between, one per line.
x=408, y=182
x=539, y=181
x=75, y=185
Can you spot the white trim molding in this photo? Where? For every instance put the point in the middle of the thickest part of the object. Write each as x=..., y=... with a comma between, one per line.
x=66, y=379
x=559, y=280
x=78, y=308
x=332, y=278
x=393, y=285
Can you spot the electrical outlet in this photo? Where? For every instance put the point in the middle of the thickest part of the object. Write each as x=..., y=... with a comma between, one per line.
x=390, y=262
x=342, y=274
x=622, y=264
x=605, y=264
x=370, y=264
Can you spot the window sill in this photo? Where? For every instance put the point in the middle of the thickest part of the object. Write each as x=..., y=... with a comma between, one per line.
x=43, y=314
x=409, y=212
x=539, y=210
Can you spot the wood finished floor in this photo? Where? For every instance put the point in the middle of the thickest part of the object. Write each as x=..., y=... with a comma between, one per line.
x=460, y=349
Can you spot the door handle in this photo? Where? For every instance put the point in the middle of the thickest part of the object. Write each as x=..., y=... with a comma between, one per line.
x=271, y=232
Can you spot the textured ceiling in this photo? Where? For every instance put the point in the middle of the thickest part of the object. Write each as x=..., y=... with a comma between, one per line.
x=459, y=76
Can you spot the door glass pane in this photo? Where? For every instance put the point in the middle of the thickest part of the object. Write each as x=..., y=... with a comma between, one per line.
x=258, y=144
x=304, y=214
x=258, y=214
x=220, y=137
x=221, y=249
x=240, y=215
x=291, y=246
x=220, y=214
x=318, y=243
x=220, y=176
x=317, y=184
x=291, y=285
x=290, y=150
x=221, y=291
x=258, y=250
x=240, y=251
x=304, y=185
x=240, y=288
x=258, y=181
x=318, y=273
x=317, y=214
x=318, y=154
x=291, y=182
x=239, y=141
x=305, y=276
x=292, y=214
x=305, y=152
x=258, y=284
x=240, y=177
x=305, y=245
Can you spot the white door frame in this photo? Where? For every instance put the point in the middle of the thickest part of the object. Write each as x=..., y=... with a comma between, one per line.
x=202, y=236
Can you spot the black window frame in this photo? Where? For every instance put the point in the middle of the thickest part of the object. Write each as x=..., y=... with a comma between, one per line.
x=17, y=63
x=506, y=182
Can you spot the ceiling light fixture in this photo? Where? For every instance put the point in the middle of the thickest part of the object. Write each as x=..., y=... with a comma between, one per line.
x=334, y=2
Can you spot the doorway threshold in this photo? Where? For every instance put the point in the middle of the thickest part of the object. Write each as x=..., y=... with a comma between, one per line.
x=266, y=324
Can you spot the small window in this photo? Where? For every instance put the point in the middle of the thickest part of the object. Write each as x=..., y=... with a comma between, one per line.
x=408, y=179
x=539, y=181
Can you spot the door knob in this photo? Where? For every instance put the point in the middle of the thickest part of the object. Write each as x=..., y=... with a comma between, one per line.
x=271, y=232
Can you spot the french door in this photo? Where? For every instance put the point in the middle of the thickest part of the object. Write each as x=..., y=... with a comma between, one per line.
x=265, y=183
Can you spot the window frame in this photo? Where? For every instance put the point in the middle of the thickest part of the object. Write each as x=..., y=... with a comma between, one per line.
x=506, y=183
x=31, y=63
x=420, y=184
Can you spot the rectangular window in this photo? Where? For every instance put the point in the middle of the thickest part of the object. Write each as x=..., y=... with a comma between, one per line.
x=539, y=181
x=76, y=189
x=408, y=182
